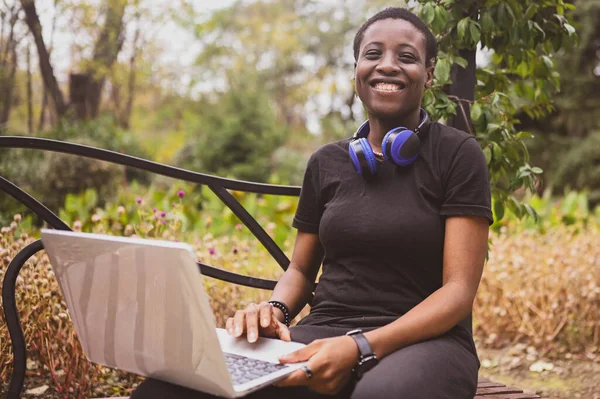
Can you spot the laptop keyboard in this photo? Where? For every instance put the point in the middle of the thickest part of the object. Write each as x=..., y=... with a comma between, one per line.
x=243, y=369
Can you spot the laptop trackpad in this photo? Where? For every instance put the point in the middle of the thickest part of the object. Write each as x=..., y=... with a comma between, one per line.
x=264, y=348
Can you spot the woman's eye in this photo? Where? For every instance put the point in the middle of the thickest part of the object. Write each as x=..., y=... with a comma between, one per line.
x=371, y=54
x=407, y=57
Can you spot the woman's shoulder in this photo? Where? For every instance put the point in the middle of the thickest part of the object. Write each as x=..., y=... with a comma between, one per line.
x=449, y=135
x=331, y=151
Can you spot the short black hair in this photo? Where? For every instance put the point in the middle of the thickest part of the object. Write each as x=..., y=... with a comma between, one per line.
x=399, y=13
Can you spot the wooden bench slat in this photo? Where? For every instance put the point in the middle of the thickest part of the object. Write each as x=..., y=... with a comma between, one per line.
x=508, y=396
x=497, y=390
x=489, y=385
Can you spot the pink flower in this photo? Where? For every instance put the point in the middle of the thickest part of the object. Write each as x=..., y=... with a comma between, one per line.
x=163, y=214
x=154, y=210
x=212, y=251
x=235, y=251
x=238, y=226
x=180, y=193
x=139, y=201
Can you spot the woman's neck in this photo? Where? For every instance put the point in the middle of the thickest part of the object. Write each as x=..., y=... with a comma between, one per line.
x=378, y=128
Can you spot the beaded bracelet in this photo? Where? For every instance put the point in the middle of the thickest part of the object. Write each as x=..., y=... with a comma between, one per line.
x=283, y=307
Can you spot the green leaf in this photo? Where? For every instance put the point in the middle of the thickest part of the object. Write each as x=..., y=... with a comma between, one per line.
x=442, y=71
x=461, y=61
x=488, y=155
x=475, y=112
x=498, y=210
x=548, y=62
x=570, y=29
x=515, y=206
x=475, y=32
x=531, y=212
x=462, y=27
x=538, y=27
x=537, y=170
x=487, y=22
x=428, y=98
x=428, y=13
x=441, y=18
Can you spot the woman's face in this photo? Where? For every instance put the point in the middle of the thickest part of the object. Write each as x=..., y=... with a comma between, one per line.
x=390, y=73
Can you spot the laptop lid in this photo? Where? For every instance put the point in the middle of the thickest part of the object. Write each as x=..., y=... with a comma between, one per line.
x=140, y=305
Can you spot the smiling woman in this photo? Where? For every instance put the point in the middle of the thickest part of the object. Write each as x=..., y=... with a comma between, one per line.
x=397, y=216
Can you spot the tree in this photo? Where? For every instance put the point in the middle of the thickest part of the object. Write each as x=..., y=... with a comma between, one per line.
x=9, y=40
x=85, y=88
x=523, y=38
x=237, y=134
x=566, y=140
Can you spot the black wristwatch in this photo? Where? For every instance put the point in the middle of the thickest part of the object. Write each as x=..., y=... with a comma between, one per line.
x=366, y=359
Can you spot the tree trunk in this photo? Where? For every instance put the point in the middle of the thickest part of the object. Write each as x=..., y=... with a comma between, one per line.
x=29, y=94
x=126, y=115
x=7, y=88
x=78, y=87
x=106, y=50
x=50, y=82
x=45, y=92
x=463, y=88
x=8, y=64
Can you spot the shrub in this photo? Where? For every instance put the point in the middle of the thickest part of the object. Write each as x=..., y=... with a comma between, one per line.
x=542, y=289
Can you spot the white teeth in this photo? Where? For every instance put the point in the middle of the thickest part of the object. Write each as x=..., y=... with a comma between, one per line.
x=387, y=86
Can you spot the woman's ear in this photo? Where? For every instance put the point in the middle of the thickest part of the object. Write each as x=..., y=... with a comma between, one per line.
x=430, y=69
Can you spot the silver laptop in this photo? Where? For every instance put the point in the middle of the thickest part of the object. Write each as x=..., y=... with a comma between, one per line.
x=140, y=305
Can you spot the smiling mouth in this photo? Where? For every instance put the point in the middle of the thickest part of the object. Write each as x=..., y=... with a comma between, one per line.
x=388, y=87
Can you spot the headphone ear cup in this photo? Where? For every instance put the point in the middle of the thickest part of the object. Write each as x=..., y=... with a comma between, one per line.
x=401, y=146
x=362, y=157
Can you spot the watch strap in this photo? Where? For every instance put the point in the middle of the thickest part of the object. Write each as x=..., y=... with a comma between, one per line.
x=364, y=347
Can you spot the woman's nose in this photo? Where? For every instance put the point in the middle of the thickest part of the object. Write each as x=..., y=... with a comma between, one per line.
x=388, y=65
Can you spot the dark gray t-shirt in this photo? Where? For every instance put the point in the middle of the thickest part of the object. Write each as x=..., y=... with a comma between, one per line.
x=384, y=238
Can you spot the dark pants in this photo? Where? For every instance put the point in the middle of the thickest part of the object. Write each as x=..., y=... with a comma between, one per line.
x=442, y=368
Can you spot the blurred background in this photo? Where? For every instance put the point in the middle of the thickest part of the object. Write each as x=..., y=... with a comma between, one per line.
x=248, y=90
x=244, y=89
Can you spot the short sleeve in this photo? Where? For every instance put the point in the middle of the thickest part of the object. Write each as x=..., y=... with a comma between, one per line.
x=467, y=188
x=308, y=214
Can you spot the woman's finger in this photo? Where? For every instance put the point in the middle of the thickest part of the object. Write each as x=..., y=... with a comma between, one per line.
x=239, y=323
x=229, y=325
x=296, y=378
x=265, y=313
x=252, y=322
x=283, y=332
x=302, y=354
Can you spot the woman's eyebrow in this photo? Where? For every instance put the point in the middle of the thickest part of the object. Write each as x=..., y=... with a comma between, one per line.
x=374, y=43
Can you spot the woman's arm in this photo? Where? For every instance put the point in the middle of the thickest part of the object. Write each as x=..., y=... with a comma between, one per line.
x=294, y=289
x=465, y=248
x=296, y=285
x=332, y=359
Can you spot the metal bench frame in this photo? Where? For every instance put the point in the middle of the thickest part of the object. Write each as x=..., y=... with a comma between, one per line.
x=218, y=185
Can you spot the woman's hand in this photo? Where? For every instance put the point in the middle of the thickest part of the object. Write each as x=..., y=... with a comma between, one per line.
x=257, y=320
x=330, y=360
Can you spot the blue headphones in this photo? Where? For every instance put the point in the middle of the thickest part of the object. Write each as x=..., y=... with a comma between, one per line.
x=400, y=146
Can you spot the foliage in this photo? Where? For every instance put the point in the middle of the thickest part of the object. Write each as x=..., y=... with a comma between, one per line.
x=579, y=168
x=50, y=177
x=554, y=310
x=561, y=138
x=549, y=212
x=541, y=289
x=202, y=211
x=523, y=38
x=237, y=134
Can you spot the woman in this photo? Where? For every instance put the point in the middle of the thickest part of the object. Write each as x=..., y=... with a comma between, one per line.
x=402, y=243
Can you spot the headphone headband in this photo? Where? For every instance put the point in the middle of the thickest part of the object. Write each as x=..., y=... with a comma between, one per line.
x=363, y=130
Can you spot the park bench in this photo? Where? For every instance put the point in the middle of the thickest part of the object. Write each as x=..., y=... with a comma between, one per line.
x=220, y=186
